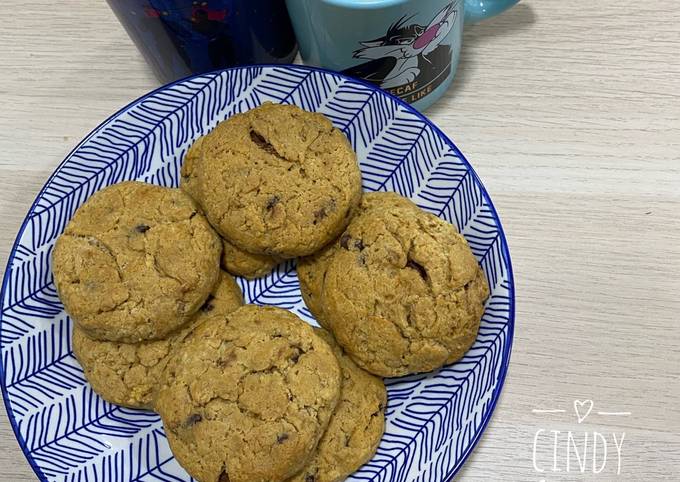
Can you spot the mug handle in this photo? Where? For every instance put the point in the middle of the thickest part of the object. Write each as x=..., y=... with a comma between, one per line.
x=478, y=10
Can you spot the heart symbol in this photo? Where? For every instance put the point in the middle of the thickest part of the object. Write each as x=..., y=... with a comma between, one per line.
x=582, y=409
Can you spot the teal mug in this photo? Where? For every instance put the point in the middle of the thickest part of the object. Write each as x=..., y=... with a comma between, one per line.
x=410, y=48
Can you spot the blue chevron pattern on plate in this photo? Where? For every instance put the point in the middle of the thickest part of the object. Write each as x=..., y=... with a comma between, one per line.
x=433, y=420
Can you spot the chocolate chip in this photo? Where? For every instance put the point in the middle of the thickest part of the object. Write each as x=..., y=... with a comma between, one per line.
x=191, y=216
x=271, y=202
x=296, y=355
x=192, y=419
x=224, y=477
x=282, y=437
x=262, y=143
x=319, y=215
x=347, y=242
x=208, y=306
x=418, y=267
x=310, y=478
x=227, y=360
x=142, y=228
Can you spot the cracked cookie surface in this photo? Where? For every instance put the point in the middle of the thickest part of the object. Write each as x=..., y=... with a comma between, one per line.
x=401, y=291
x=135, y=262
x=127, y=373
x=356, y=427
x=248, y=395
x=277, y=180
x=234, y=259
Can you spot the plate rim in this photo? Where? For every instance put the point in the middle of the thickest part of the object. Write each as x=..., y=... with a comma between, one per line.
x=507, y=350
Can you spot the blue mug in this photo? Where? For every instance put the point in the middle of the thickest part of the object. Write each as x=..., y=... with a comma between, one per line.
x=183, y=37
x=408, y=47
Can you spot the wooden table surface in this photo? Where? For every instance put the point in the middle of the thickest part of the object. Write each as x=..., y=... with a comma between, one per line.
x=569, y=112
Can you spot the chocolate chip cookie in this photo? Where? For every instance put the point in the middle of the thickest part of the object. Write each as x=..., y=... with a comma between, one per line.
x=277, y=180
x=356, y=426
x=126, y=373
x=135, y=262
x=247, y=396
x=402, y=291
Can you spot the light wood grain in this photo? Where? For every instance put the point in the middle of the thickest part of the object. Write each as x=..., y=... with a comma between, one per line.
x=570, y=113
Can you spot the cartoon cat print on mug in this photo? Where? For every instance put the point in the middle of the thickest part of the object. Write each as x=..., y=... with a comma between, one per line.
x=410, y=60
x=410, y=48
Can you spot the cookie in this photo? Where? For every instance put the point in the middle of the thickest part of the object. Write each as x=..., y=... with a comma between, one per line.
x=402, y=291
x=278, y=180
x=135, y=262
x=312, y=269
x=126, y=373
x=188, y=180
x=242, y=263
x=248, y=396
x=356, y=426
x=234, y=259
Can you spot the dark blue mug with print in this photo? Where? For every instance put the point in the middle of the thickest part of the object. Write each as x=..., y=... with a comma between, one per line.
x=183, y=37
